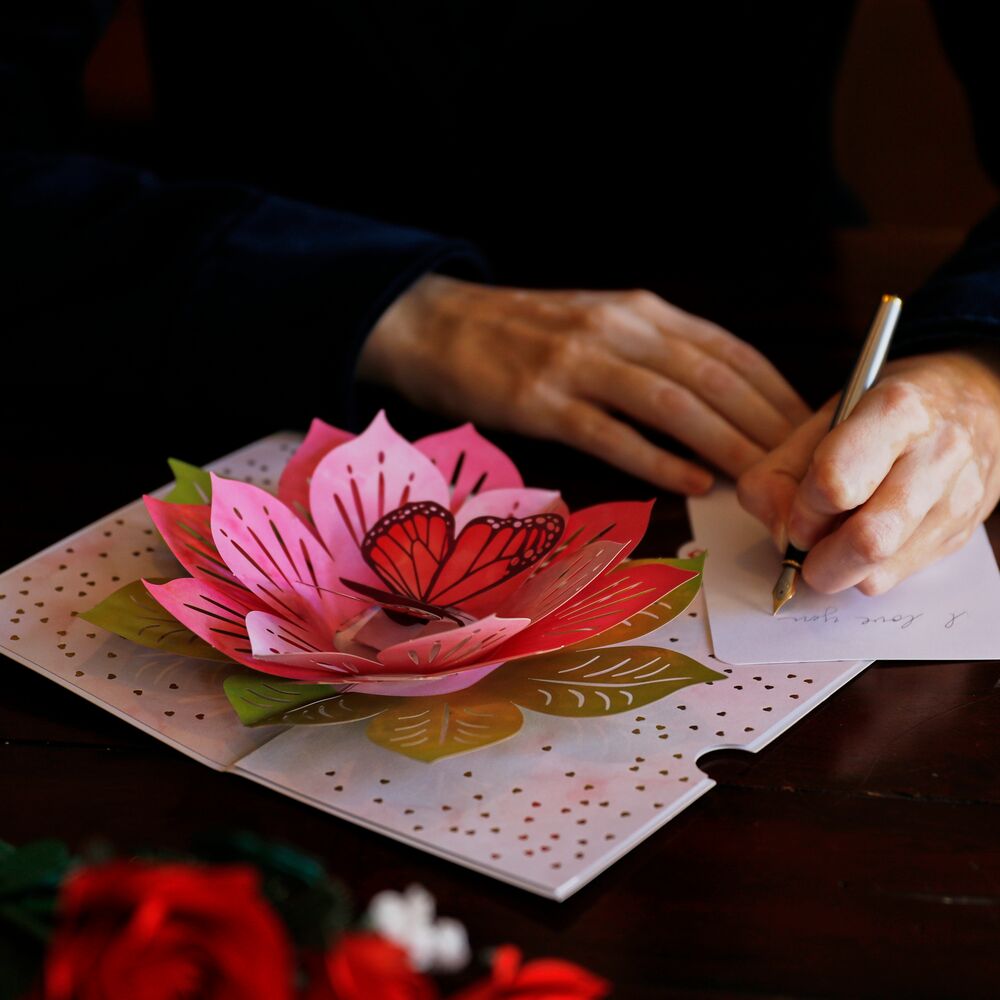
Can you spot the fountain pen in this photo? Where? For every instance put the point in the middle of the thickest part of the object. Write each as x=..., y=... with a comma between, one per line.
x=866, y=370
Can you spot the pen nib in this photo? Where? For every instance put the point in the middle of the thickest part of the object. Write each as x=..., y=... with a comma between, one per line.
x=784, y=589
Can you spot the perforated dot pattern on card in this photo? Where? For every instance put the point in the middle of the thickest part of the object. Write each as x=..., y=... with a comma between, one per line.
x=546, y=808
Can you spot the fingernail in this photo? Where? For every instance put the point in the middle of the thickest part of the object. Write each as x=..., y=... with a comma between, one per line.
x=697, y=485
x=798, y=533
x=780, y=535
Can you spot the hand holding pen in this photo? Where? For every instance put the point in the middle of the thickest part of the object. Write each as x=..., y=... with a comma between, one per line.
x=904, y=479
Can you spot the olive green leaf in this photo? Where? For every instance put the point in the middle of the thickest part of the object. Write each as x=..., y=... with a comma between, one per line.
x=430, y=728
x=594, y=682
x=134, y=614
x=658, y=613
x=192, y=485
x=271, y=701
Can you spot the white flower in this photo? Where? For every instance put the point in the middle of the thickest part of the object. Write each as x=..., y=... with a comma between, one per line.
x=407, y=918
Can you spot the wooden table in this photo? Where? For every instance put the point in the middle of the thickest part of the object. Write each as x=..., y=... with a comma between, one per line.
x=858, y=855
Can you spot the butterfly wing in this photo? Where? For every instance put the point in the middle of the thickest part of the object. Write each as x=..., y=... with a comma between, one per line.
x=414, y=551
x=408, y=547
x=489, y=551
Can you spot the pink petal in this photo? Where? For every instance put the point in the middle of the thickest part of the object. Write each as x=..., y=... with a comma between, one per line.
x=293, y=487
x=277, y=557
x=561, y=581
x=510, y=503
x=362, y=480
x=187, y=530
x=469, y=463
x=442, y=651
x=275, y=640
x=448, y=683
x=606, y=602
x=214, y=614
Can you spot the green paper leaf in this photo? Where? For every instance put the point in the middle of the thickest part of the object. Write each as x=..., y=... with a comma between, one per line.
x=659, y=613
x=191, y=484
x=271, y=701
x=132, y=613
x=596, y=682
x=428, y=729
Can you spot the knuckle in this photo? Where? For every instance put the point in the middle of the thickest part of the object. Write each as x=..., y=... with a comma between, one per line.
x=674, y=399
x=902, y=399
x=955, y=440
x=714, y=378
x=735, y=353
x=599, y=316
x=832, y=484
x=641, y=299
x=871, y=537
x=594, y=432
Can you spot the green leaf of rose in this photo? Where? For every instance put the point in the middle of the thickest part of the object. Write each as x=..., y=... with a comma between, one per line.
x=132, y=613
x=191, y=484
x=271, y=701
x=595, y=682
x=658, y=613
x=430, y=728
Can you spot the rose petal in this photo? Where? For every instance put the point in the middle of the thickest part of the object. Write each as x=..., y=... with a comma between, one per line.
x=359, y=482
x=469, y=463
x=293, y=487
x=277, y=557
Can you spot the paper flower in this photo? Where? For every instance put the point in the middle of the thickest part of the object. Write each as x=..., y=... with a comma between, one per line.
x=398, y=568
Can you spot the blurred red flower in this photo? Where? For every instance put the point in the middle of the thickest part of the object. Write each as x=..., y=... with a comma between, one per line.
x=540, y=979
x=367, y=966
x=144, y=931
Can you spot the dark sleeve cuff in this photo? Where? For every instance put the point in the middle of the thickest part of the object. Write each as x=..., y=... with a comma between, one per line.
x=959, y=306
x=300, y=287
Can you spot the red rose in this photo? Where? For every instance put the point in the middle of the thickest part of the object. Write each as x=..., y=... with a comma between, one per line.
x=141, y=931
x=367, y=966
x=541, y=979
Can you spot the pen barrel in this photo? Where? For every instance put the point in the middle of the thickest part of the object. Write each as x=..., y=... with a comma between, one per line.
x=794, y=557
x=871, y=358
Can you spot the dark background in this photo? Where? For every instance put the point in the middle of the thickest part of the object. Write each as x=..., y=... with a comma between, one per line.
x=857, y=856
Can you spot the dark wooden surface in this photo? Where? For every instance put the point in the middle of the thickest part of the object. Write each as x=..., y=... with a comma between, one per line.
x=858, y=855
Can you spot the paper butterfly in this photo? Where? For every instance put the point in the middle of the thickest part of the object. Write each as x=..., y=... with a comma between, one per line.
x=430, y=573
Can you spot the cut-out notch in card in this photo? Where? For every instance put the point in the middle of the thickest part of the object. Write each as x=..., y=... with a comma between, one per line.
x=947, y=611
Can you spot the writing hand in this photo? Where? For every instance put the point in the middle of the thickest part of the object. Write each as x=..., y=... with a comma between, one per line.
x=562, y=364
x=904, y=480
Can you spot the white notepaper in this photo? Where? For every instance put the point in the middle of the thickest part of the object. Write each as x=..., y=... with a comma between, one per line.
x=948, y=611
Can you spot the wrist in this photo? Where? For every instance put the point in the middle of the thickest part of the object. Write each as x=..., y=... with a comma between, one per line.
x=399, y=329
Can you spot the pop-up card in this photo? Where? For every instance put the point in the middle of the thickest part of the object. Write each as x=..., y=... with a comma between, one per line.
x=405, y=635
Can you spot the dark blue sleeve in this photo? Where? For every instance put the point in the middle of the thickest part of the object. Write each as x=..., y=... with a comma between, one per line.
x=960, y=304
x=242, y=279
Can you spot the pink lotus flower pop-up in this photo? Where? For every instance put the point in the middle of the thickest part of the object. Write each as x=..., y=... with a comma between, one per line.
x=410, y=569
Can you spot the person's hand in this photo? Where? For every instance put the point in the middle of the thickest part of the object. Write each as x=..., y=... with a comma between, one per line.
x=904, y=480
x=561, y=364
